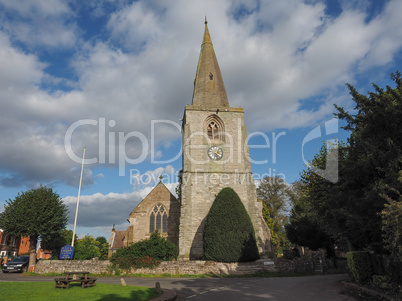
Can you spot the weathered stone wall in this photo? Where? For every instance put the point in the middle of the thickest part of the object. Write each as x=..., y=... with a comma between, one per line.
x=196, y=267
x=61, y=266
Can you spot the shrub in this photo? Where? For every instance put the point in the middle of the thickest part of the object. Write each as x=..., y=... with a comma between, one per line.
x=228, y=232
x=383, y=282
x=146, y=253
x=359, y=264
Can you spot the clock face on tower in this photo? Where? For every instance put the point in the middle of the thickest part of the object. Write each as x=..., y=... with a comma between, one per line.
x=215, y=153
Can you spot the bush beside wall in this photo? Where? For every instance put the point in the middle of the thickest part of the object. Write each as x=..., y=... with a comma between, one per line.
x=359, y=264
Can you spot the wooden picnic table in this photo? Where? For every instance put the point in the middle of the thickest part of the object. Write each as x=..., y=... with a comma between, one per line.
x=64, y=282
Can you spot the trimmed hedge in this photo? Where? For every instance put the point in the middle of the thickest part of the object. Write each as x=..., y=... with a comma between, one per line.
x=228, y=233
x=146, y=253
x=359, y=263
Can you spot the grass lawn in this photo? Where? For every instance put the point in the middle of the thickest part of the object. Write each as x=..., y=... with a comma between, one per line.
x=46, y=291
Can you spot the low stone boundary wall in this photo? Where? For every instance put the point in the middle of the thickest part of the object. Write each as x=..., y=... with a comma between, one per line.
x=60, y=266
x=193, y=267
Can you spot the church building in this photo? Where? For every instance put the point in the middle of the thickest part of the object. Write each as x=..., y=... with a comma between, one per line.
x=215, y=155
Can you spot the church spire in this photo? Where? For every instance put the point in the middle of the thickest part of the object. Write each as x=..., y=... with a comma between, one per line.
x=209, y=89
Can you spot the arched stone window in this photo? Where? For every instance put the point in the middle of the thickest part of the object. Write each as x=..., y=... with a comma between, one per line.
x=215, y=128
x=158, y=219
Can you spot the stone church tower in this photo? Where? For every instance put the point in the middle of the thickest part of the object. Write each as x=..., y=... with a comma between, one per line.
x=215, y=156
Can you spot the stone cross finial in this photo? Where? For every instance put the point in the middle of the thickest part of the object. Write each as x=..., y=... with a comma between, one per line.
x=160, y=178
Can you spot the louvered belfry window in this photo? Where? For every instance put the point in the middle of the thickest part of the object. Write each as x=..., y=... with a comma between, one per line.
x=215, y=128
x=158, y=219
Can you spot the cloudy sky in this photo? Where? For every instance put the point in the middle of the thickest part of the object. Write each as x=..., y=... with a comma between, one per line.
x=114, y=77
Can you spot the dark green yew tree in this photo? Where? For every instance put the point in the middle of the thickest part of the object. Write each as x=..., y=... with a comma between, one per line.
x=349, y=209
x=228, y=233
x=373, y=162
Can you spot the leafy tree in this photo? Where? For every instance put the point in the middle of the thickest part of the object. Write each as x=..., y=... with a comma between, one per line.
x=228, y=232
x=35, y=213
x=350, y=209
x=303, y=228
x=86, y=248
x=275, y=195
x=373, y=162
x=307, y=233
x=101, y=239
x=319, y=206
x=55, y=242
x=392, y=226
x=103, y=247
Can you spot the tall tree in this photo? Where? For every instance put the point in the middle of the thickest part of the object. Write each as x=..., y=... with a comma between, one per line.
x=304, y=227
x=35, y=213
x=275, y=193
x=350, y=209
x=103, y=247
x=374, y=160
x=320, y=202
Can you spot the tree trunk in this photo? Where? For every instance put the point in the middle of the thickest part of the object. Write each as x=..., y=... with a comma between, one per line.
x=32, y=251
x=349, y=245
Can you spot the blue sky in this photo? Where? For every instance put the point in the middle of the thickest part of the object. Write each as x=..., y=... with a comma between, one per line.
x=114, y=76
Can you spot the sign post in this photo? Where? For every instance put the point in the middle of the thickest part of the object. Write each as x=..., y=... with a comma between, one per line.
x=66, y=252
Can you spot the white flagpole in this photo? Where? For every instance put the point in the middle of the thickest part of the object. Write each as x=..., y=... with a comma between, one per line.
x=78, y=199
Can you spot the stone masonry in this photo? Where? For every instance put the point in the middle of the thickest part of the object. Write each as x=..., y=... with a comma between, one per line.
x=194, y=267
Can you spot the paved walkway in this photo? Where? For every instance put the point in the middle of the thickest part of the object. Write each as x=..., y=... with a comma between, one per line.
x=309, y=288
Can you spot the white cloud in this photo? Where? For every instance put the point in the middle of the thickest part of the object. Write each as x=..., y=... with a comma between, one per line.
x=273, y=58
x=99, y=210
x=39, y=22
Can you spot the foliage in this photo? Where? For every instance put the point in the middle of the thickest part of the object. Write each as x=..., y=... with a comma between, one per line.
x=86, y=248
x=35, y=291
x=228, y=232
x=359, y=264
x=101, y=239
x=275, y=194
x=146, y=253
x=103, y=246
x=178, y=187
x=304, y=228
x=349, y=209
x=373, y=162
x=37, y=213
x=305, y=232
x=392, y=226
x=384, y=283
x=55, y=242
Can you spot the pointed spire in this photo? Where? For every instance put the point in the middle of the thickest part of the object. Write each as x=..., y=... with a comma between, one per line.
x=209, y=89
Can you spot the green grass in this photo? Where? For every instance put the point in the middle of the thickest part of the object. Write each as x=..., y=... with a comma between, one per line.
x=35, y=291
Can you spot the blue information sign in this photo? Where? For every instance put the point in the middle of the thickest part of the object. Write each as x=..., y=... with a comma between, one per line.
x=66, y=252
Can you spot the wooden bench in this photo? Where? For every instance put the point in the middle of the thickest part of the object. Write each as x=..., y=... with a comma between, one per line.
x=64, y=282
